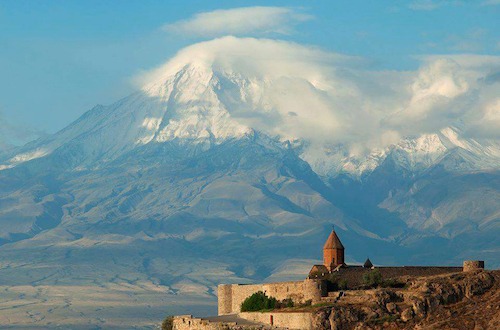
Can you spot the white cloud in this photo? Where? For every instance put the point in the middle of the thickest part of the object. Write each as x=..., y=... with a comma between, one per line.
x=433, y=90
x=297, y=91
x=453, y=90
x=485, y=123
x=291, y=88
x=239, y=21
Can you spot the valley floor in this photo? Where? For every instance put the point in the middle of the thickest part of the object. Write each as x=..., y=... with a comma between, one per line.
x=92, y=307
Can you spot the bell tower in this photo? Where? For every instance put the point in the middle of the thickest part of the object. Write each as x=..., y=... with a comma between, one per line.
x=333, y=251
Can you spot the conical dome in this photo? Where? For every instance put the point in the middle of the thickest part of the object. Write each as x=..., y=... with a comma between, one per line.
x=333, y=242
x=368, y=263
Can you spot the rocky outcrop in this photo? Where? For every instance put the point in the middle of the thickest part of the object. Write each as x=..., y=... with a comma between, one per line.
x=460, y=301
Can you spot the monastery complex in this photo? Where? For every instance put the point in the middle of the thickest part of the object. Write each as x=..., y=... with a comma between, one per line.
x=317, y=288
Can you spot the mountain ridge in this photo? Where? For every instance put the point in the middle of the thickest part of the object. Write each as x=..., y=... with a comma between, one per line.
x=192, y=105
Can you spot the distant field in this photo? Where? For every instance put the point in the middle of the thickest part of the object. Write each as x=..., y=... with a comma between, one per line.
x=92, y=307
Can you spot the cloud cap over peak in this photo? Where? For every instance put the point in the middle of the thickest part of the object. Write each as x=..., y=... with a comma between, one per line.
x=251, y=56
x=242, y=21
x=298, y=92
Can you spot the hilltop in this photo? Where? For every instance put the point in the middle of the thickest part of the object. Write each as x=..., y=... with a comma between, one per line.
x=465, y=300
x=457, y=301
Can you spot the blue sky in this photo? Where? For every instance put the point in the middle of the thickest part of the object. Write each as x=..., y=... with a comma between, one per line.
x=60, y=58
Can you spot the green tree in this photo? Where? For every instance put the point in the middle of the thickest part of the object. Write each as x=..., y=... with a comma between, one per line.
x=258, y=301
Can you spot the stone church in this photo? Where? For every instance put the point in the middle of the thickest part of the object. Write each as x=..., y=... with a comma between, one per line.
x=333, y=257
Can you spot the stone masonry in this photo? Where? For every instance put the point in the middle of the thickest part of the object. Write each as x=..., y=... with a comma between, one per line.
x=231, y=296
x=470, y=265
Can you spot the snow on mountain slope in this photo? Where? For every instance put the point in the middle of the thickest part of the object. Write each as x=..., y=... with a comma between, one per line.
x=429, y=149
x=220, y=92
x=314, y=102
x=412, y=154
x=208, y=93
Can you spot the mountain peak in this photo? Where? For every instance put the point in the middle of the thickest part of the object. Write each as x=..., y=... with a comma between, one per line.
x=228, y=87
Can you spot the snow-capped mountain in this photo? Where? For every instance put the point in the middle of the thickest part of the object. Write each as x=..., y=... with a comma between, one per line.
x=211, y=173
x=205, y=105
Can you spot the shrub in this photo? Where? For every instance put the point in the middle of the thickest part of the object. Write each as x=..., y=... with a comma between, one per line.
x=168, y=323
x=343, y=284
x=258, y=301
x=285, y=303
x=373, y=278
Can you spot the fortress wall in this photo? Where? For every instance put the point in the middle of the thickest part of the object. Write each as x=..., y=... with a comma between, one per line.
x=240, y=293
x=230, y=300
x=292, y=321
x=296, y=320
x=231, y=296
x=354, y=274
x=224, y=299
x=188, y=322
x=471, y=265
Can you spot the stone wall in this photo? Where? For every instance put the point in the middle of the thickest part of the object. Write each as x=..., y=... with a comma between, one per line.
x=353, y=275
x=188, y=322
x=225, y=299
x=292, y=321
x=295, y=320
x=231, y=296
x=470, y=265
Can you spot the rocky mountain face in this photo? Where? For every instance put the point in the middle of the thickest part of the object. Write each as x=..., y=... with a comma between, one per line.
x=462, y=301
x=174, y=186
